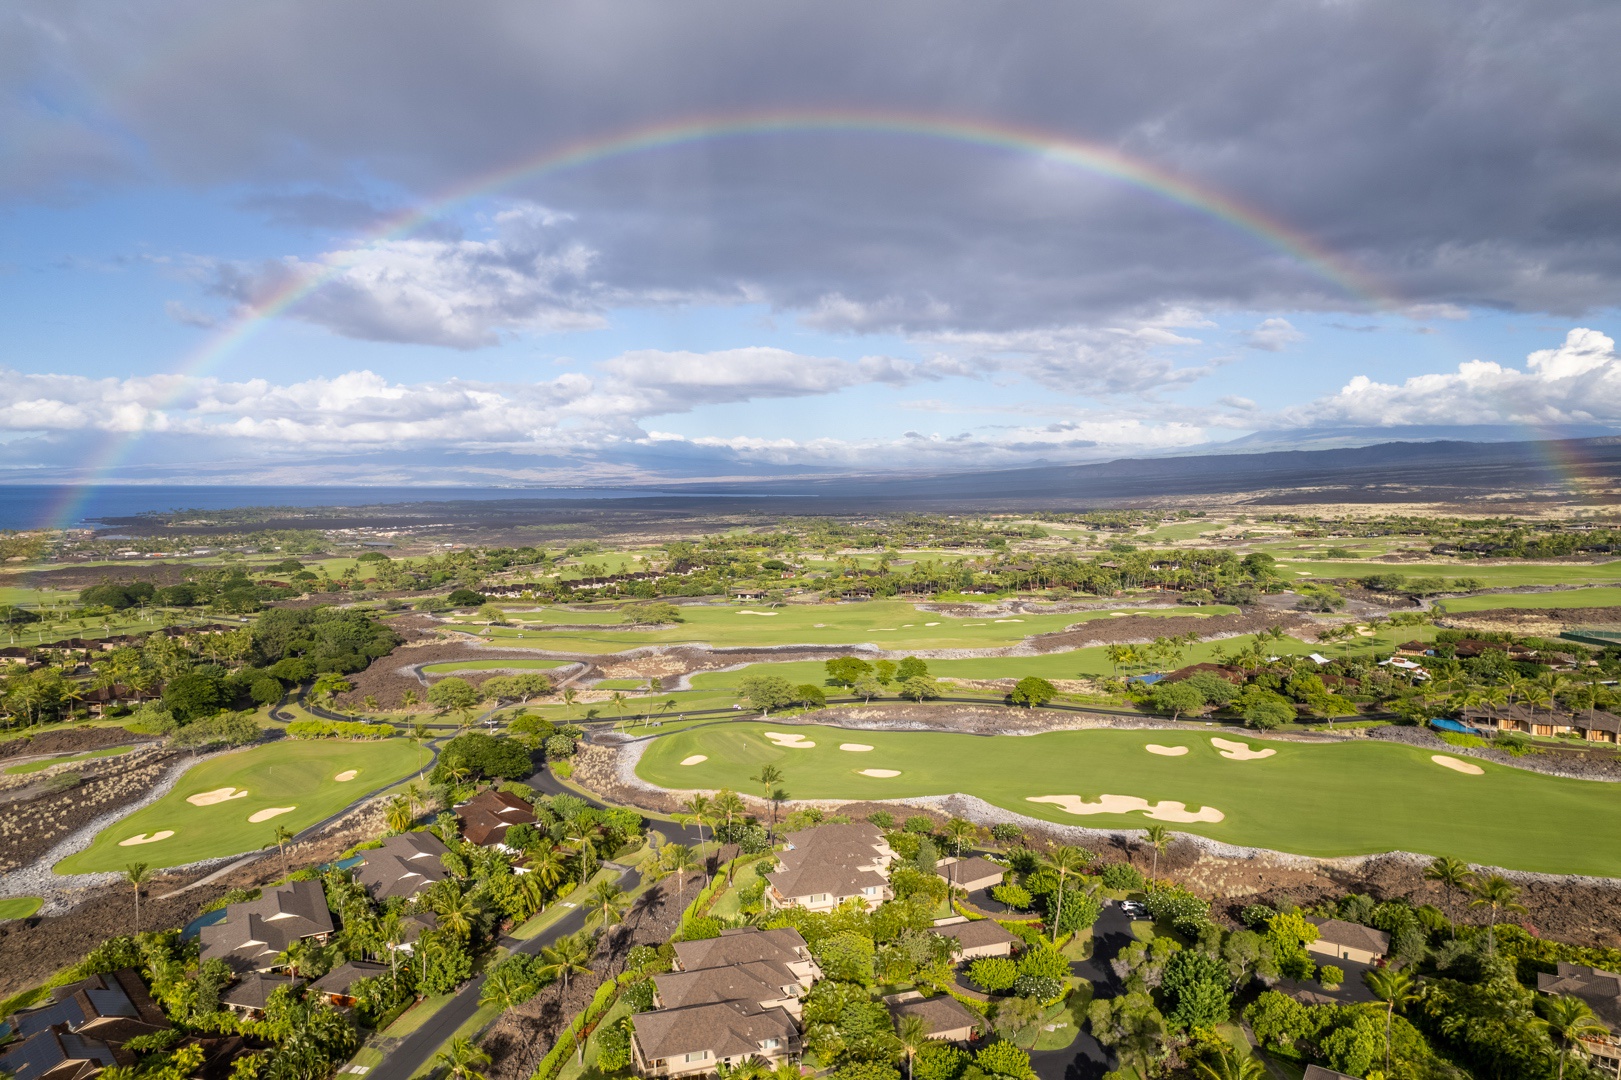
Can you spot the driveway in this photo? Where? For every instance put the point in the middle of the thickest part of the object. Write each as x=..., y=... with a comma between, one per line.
x=1086, y=1058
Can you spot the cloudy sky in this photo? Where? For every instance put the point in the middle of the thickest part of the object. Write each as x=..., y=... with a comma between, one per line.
x=611, y=241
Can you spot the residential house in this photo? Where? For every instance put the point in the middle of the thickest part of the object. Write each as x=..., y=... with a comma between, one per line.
x=486, y=817
x=977, y=938
x=1597, y=726
x=254, y=934
x=970, y=874
x=1317, y=1072
x=82, y=1029
x=1349, y=941
x=404, y=866
x=947, y=1019
x=1601, y=990
x=821, y=868
x=249, y=995
x=728, y=999
x=1415, y=648
x=337, y=985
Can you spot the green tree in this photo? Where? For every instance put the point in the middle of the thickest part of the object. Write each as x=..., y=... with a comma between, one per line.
x=1033, y=691
x=911, y=667
x=1176, y=698
x=913, y=1033
x=568, y=956
x=919, y=688
x=868, y=687
x=1064, y=860
x=136, y=874
x=1003, y=1059
x=1266, y=713
x=1196, y=986
x=1397, y=990
x=1454, y=876
x=1497, y=895
x=1228, y=1064
x=453, y=695
x=1158, y=837
x=846, y=670
x=1568, y=1020
x=993, y=974
x=766, y=692
x=463, y=1059
x=606, y=904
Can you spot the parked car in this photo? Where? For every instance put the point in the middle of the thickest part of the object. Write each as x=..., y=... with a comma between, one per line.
x=1133, y=910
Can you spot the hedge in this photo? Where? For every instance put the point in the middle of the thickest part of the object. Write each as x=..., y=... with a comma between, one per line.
x=579, y=1028
x=339, y=729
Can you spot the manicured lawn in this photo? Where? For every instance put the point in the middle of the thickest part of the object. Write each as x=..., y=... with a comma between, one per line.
x=45, y=763
x=1495, y=575
x=1573, y=598
x=287, y=773
x=890, y=624
x=1325, y=800
x=516, y=664
x=19, y=907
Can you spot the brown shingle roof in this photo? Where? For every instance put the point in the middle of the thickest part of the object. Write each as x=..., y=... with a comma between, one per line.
x=403, y=866
x=976, y=934
x=486, y=817
x=941, y=1013
x=756, y=982
x=253, y=933
x=973, y=869
x=1600, y=989
x=743, y=946
x=727, y=1030
x=341, y=979
x=253, y=990
x=1351, y=935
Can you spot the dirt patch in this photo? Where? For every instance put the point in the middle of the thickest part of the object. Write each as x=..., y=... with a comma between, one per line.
x=29, y=827
x=1134, y=628
x=69, y=741
x=1534, y=622
x=521, y=1036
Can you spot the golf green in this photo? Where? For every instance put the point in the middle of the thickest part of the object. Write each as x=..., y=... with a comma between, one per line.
x=1564, y=598
x=299, y=775
x=19, y=907
x=1322, y=799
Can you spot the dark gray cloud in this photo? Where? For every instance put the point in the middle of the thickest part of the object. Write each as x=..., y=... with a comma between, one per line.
x=1456, y=152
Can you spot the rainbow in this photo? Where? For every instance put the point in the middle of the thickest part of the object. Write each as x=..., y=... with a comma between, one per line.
x=1090, y=157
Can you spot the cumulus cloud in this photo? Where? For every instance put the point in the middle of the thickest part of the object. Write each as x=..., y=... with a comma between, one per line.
x=1274, y=335
x=1577, y=383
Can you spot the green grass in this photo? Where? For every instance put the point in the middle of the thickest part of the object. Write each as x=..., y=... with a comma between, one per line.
x=1494, y=575
x=1330, y=800
x=890, y=624
x=19, y=907
x=517, y=664
x=1573, y=598
x=287, y=773
x=37, y=766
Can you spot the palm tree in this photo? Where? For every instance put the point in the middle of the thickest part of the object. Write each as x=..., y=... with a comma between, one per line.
x=1159, y=838
x=419, y=735
x=728, y=803
x=545, y=864
x=284, y=836
x=1066, y=860
x=569, y=956
x=297, y=954
x=678, y=859
x=400, y=816
x=778, y=797
x=1497, y=894
x=698, y=808
x=463, y=1059
x=913, y=1032
x=1394, y=988
x=1228, y=1064
x=1569, y=1019
x=960, y=832
x=1454, y=876
x=768, y=778
x=455, y=910
x=506, y=987
x=606, y=903
x=136, y=874
x=570, y=696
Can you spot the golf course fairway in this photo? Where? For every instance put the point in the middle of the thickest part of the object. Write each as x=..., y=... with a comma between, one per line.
x=1318, y=799
x=289, y=773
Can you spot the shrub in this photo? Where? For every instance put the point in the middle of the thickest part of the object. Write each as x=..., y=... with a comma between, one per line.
x=1012, y=895
x=1003, y=1059
x=1043, y=961
x=1040, y=987
x=1330, y=976
x=465, y=598
x=882, y=818
x=339, y=729
x=1122, y=877
x=1184, y=911
x=651, y=614
x=919, y=825
x=1005, y=832
x=993, y=974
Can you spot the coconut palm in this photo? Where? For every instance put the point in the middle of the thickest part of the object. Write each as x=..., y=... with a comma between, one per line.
x=456, y=911
x=1066, y=860
x=913, y=1033
x=1454, y=876
x=400, y=816
x=1229, y=1064
x=679, y=860
x=1568, y=1020
x=697, y=808
x=463, y=1059
x=545, y=863
x=507, y=987
x=570, y=696
x=606, y=903
x=136, y=874
x=1397, y=990
x=1158, y=838
x=284, y=836
x=768, y=778
x=1498, y=895
x=568, y=956
x=960, y=832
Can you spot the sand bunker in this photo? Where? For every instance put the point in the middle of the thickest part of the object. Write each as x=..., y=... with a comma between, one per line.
x=931, y=624
x=1126, y=804
x=1010, y=620
x=695, y=759
x=1166, y=751
x=142, y=838
x=855, y=747
x=882, y=774
x=1118, y=614
x=793, y=742
x=218, y=795
x=1237, y=751
x=746, y=611
x=1455, y=765
x=346, y=776
x=269, y=812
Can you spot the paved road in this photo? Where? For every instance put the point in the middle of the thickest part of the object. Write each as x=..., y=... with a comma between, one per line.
x=1085, y=1058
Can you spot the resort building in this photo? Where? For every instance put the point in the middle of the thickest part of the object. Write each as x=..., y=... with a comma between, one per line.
x=821, y=868
x=404, y=866
x=254, y=934
x=977, y=938
x=486, y=817
x=82, y=1029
